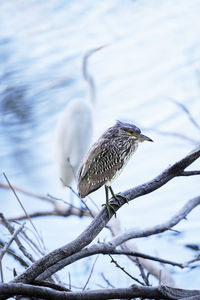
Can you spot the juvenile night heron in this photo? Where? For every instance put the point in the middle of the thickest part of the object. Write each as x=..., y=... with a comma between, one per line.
x=106, y=159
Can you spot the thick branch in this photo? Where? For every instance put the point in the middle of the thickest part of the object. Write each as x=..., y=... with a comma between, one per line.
x=135, y=291
x=169, y=173
x=183, y=212
x=110, y=247
x=102, y=218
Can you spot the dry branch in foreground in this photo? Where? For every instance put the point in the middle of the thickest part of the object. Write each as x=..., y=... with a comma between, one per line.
x=100, y=221
x=135, y=291
x=76, y=249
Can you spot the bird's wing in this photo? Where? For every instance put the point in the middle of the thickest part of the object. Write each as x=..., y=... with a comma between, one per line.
x=89, y=160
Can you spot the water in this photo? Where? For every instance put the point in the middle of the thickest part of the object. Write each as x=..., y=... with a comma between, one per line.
x=152, y=57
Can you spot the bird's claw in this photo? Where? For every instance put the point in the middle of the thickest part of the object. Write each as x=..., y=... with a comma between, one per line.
x=110, y=208
x=117, y=197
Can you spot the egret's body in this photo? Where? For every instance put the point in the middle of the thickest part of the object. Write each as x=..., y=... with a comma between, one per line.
x=73, y=137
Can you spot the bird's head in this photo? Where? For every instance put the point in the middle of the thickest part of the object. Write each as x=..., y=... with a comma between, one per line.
x=133, y=131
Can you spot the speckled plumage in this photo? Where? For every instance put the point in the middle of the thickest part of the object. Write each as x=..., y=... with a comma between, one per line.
x=107, y=157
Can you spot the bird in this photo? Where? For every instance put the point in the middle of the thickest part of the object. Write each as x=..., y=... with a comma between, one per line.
x=74, y=129
x=106, y=159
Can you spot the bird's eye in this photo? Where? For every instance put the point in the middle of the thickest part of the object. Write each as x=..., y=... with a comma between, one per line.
x=132, y=132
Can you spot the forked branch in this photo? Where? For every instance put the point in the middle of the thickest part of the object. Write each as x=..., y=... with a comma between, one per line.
x=100, y=221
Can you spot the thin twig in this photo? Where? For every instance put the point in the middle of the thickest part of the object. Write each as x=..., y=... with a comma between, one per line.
x=146, y=256
x=19, y=244
x=66, y=213
x=189, y=173
x=186, y=111
x=67, y=203
x=94, y=203
x=1, y=272
x=13, y=253
x=107, y=281
x=7, y=245
x=82, y=201
x=70, y=284
x=30, y=242
x=188, y=263
x=143, y=275
x=123, y=269
x=174, y=134
x=19, y=201
x=92, y=269
x=25, y=192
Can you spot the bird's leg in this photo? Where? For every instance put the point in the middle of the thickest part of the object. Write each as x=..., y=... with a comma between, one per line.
x=108, y=205
x=117, y=196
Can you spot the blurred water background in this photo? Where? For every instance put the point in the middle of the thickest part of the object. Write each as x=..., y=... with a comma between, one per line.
x=152, y=59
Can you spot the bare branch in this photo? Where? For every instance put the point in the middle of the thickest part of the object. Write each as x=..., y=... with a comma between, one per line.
x=92, y=269
x=13, y=237
x=146, y=256
x=65, y=213
x=175, y=134
x=156, y=270
x=1, y=272
x=183, y=212
x=135, y=291
x=186, y=111
x=142, y=272
x=150, y=266
x=106, y=280
x=188, y=263
x=110, y=247
x=189, y=173
x=19, y=244
x=15, y=255
x=19, y=201
x=180, y=135
x=102, y=218
x=25, y=192
x=82, y=201
x=123, y=270
x=168, y=174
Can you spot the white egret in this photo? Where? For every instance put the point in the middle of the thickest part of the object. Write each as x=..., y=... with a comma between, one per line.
x=74, y=129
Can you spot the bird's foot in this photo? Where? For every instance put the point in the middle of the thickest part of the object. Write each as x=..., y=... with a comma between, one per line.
x=110, y=208
x=119, y=197
x=122, y=197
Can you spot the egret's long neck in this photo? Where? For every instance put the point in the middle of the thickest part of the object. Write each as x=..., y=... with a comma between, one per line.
x=88, y=77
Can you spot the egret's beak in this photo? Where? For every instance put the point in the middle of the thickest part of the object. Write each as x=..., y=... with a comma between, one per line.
x=143, y=138
x=92, y=51
x=101, y=47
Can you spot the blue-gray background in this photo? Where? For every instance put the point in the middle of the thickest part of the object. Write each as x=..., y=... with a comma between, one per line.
x=152, y=57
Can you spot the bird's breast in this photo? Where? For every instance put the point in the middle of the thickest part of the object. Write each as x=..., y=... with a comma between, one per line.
x=121, y=158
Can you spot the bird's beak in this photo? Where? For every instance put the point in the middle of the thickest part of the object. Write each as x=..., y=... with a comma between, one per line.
x=100, y=47
x=143, y=138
